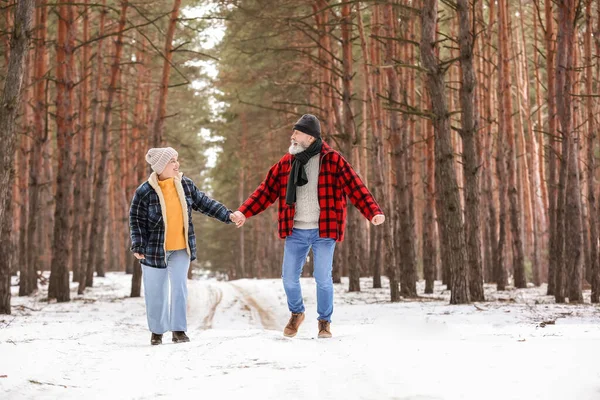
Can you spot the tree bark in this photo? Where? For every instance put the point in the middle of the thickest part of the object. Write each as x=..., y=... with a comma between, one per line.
x=20, y=39
x=564, y=87
x=511, y=160
x=7, y=253
x=404, y=234
x=552, y=150
x=87, y=271
x=350, y=137
x=98, y=227
x=451, y=229
x=82, y=146
x=429, y=249
x=371, y=115
x=161, y=108
x=59, y=273
x=469, y=130
x=591, y=159
x=139, y=144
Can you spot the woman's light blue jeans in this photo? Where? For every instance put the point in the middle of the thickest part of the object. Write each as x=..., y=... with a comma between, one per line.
x=161, y=317
x=296, y=250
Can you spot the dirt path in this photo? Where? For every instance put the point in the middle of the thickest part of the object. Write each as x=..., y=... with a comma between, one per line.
x=216, y=295
x=267, y=319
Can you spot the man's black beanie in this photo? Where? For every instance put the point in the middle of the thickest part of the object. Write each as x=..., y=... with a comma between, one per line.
x=310, y=125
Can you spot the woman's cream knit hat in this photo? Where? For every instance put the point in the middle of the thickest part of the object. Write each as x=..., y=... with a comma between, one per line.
x=159, y=157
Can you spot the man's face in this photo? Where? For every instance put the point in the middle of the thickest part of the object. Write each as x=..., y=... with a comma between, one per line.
x=300, y=142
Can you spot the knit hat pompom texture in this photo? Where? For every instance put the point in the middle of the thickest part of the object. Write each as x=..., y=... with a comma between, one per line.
x=310, y=125
x=159, y=157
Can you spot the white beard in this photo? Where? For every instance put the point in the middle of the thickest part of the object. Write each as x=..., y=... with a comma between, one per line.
x=296, y=149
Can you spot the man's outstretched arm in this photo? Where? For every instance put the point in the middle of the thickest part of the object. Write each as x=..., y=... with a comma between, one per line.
x=264, y=195
x=358, y=193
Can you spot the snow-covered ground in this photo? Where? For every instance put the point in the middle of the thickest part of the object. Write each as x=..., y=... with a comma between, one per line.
x=97, y=346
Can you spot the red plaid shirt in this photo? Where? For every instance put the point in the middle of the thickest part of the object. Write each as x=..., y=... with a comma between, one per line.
x=337, y=179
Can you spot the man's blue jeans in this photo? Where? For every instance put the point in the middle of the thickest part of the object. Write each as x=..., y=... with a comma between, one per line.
x=296, y=250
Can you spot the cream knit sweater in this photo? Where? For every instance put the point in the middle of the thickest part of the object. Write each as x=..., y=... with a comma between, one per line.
x=307, y=198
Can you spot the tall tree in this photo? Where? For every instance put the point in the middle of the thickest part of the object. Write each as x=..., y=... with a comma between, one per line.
x=9, y=105
x=511, y=156
x=469, y=132
x=59, y=270
x=80, y=151
x=161, y=105
x=350, y=135
x=98, y=227
x=555, y=249
x=87, y=185
x=591, y=158
x=573, y=240
x=403, y=232
x=38, y=145
x=451, y=228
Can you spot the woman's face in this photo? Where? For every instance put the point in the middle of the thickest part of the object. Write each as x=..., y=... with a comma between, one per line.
x=171, y=170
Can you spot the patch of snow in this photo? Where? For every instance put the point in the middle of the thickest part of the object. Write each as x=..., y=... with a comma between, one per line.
x=517, y=345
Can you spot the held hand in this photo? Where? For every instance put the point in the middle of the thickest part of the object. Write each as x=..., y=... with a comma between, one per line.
x=378, y=219
x=238, y=218
x=139, y=256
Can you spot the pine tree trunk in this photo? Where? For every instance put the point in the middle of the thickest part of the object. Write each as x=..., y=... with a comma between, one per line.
x=429, y=249
x=525, y=147
x=122, y=211
x=564, y=87
x=38, y=146
x=79, y=149
x=20, y=38
x=20, y=183
x=591, y=159
x=98, y=226
x=470, y=126
x=369, y=113
x=403, y=234
x=553, y=150
x=138, y=145
x=451, y=229
x=543, y=223
x=511, y=160
x=87, y=271
x=489, y=161
x=354, y=246
x=24, y=272
x=6, y=259
x=80, y=155
x=59, y=273
x=161, y=108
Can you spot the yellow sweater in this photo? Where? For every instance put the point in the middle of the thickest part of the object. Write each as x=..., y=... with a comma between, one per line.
x=175, y=235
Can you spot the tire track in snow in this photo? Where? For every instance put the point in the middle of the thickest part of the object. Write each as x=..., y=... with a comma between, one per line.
x=216, y=295
x=267, y=319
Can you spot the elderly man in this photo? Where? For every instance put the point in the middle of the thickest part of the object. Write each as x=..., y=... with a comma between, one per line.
x=311, y=182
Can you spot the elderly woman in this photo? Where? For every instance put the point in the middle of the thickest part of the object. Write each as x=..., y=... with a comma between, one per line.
x=162, y=237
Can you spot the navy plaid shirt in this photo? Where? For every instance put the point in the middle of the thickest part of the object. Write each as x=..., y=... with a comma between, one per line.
x=146, y=224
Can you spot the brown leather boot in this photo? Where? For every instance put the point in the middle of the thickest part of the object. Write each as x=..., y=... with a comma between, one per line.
x=291, y=328
x=324, y=329
x=155, y=339
x=180, y=337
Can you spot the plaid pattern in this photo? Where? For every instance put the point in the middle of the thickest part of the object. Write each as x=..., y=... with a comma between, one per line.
x=146, y=225
x=337, y=179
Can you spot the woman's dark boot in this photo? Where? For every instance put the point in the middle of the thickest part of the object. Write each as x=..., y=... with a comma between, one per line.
x=180, y=337
x=156, y=339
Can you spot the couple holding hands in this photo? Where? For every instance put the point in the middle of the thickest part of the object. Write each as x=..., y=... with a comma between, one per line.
x=311, y=182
